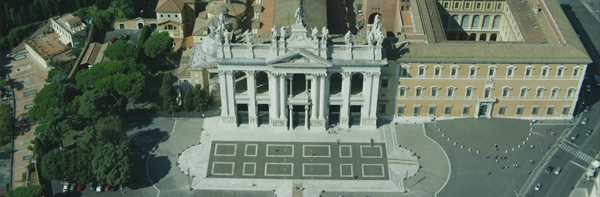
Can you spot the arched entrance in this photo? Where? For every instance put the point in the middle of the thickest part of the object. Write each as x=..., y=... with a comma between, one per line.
x=356, y=84
x=482, y=37
x=140, y=25
x=121, y=26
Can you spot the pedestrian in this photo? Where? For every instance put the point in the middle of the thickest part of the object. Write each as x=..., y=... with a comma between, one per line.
x=504, y=157
x=354, y=176
x=516, y=165
x=497, y=161
x=496, y=157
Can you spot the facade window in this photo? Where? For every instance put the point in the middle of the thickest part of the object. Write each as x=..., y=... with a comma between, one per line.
x=560, y=72
x=419, y=92
x=570, y=92
x=402, y=92
x=381, y=108
x=510, y=72
x=478, y=5
x=499, y=6
x=32, y=92
x=434, y=91
x=475, y=23
x=545, y=71
x=492, y=71
x=576, y=72
x=523, y=93
x=161, y=16
x=520, y=110
x=473, y=72
x=437, y=72
x=534, y=110
x=505, y=92
x=447, y=110
x=501, y=110
x=454, y=71
x=450, y=92
x=29, y=106
x=539, y=93
x=487, y=93
x=446, y=5
x=175, y=15
x=416, y=110
x=400, y=110
x=469, y=92
x=550, y=110
x=528, y=71
x=467, y=5
x=404, y=71
x=554, y=93
x=422, y=71
x=488, y=6
x=565, y=110
x=431, y=110
x=456, y=5
x=385, y=83
x=486, y=21
x=168, y=16
x=465, y=111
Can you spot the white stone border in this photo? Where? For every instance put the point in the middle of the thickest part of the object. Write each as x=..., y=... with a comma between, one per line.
x=291, y=169
x=244, y=169
x=268, y=155
x=212, y=170
x=255, y=150
x=369, y=146
x=350, y=147
x=351, y=169
x=316, y=164
x=378, y=176
x=226, y=155
x=328, y=150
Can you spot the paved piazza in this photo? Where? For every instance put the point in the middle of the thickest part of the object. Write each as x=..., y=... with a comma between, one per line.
x=298, y=160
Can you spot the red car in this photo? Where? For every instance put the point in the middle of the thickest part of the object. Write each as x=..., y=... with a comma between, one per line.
x=107, y=188
x=80, y=187
x=112, y=40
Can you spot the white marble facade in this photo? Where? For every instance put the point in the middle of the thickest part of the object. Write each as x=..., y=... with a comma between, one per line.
x=295, y=80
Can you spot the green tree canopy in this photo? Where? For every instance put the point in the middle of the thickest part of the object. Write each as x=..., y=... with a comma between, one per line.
x=27, y=191
x=158, y=42
x=111, y=130
x=7, y=124
x=113, y=165
x=41, y=148
x=188, y=101
x=83, y=13
x=52, y=95
x=52, y=127
x=55, y=165
x=79, y=167
x=168, y=93
x=102, y=19
x=120, y=50
x=89, y=141
x=92, y=105
x=200, y=98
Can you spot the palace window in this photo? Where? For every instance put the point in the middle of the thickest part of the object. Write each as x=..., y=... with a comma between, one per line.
x=418, y=92
x=523, y=93
x=416, y=110
x=510, y=72
x=400, y=110
x=431, y=110
x=519, y=110
x=565, y=110
x=402, y=91
x=454, y=71
x=560, y=72
x=576, y=72
x=554, y=93
x=570, y=92
x=487, y=93
x=505, y=92
x=434, y=91
x=422, y=71
x=465, y=111
x=447, y=110
x=492, y=71
x=528, y=71
x=501, y=110
x=534, y=110
x=437, y=72
x=539, y=93
x=545, y=71
x=451, y=92
x=550, y=110
x=473, y=72
x=469, y=92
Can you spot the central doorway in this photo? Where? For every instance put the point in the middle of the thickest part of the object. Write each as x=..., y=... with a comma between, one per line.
x=298, y=116
x=334, y=115
x=354, y=115
x=242, y=114
x=483, y=110
x=263, y=114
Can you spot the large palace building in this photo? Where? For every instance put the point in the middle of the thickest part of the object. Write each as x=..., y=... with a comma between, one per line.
x=400, y=60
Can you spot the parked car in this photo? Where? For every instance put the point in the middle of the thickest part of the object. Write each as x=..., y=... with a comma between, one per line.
x=549, y=169
x=584, y=120
x=587, y=109
x=107, y=187
x=588, y=132
x=574, y=137
x=66, y=187
x=588, y=88
x=558, y=170
x=72, y=188
x=538, y=186
x=113, y=40
x=125, y=36
x=99, y=188
x=80, y=187
x=93, y=187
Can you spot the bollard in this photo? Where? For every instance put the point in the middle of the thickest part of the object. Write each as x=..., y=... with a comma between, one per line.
x=448, y=139
x=469, y=149
x=477, y=151
x=454, y=143
x=513, y=149
x=529, y=134
x=527, y=138
x=462, y=146
x=443, y=134
x=519, y=146
x=506, y=151
x=439, y=129
x=523, y=142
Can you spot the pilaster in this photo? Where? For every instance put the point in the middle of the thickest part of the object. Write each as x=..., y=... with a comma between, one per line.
x=223, y=92
x=373, y=107
x=251, y=86
x=345, y=108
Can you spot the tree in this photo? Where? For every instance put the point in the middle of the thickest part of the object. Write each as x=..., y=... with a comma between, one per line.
x=55, y=165
x=168, y=93
x=79, y=167
x=41, y=148
x=128, y=7
x=92, y=105
x=89, y=141
x=113, y=165
x=200, y=98
x=27, y=191
x=120, y=50
x=101, y=18
x=52, y=95
x=158, y=42
x=52, y=127
x=7, y=124
x=83, y=13
x=111, y=130
x=188, y=101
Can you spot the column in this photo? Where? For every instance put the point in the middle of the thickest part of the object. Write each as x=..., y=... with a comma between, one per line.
x=231, y=93
x=251, y=86
x=367, y=91
x=313, y=97
x=306, y=117
x=322, y=104
x=346, y=99
x=291, y=107
x=375, y=92
x=291, y=87
x=273, y=90
x=282, y=97
x=223, y=91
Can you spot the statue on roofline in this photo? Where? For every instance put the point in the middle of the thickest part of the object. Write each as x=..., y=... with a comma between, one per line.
x=314, y=33
x=248, y=37
x=348, y=38
x=299, y=16
x=283, y=33
x=274, y=33
x=324, y=34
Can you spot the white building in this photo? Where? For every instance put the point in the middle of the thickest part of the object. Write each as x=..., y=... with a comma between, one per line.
x=293, y=80
x=69, y=28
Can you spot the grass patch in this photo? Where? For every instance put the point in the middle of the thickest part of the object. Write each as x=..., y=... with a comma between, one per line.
x=69, y=137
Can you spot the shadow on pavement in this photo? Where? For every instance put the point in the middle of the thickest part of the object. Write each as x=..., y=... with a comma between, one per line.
x=158, y=167
x=68, y=194
x=139, y=122
x=142, y=144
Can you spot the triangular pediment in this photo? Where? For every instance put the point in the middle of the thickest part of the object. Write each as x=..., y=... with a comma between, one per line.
x=300, y=56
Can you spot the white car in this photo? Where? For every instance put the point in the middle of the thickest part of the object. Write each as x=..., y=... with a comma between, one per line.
x=588, y=88
x=558, y=170
x=66, y=187
x=538, y=186
x=584, y=121
x=99, y=188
